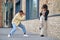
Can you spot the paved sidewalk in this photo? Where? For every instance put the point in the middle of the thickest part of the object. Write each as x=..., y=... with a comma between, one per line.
x=19, y=35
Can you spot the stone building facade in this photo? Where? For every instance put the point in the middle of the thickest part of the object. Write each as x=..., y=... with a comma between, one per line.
x=53, y=6
x=0, y=13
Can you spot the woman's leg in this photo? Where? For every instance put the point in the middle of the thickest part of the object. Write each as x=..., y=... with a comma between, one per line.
x=41, y=28
x=45, y=28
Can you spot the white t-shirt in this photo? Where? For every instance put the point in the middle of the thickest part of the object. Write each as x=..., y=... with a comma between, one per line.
x=41, y=18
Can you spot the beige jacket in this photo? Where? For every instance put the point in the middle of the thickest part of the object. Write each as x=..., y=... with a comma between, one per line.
x=17, y=19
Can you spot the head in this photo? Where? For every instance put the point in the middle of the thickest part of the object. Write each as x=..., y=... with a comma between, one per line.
x=21, y=12
x=45, y=7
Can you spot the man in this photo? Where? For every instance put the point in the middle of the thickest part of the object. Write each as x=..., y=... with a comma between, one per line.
x=43, y=20
x=16, y=22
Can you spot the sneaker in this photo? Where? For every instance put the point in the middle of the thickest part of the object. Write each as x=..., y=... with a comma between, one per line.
x=42, y=35
x=39, y=28
x=26, y=35
x=9, y=35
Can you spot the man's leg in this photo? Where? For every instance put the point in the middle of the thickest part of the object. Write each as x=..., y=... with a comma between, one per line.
x=23, y=28
x=13, y=30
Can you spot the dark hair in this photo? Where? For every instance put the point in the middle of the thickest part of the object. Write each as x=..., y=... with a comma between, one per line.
x=21, y=11
x=45, y=6
x=6, y=0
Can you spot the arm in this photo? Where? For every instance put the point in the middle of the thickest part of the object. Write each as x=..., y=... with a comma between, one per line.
x=47, y=12
x=40, y=14
x=22, y=18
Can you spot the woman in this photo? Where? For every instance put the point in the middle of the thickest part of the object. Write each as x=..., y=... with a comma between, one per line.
x=43, y=20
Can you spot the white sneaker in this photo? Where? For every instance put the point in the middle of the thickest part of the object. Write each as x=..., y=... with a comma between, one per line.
x=9, y=35
x=26, y=35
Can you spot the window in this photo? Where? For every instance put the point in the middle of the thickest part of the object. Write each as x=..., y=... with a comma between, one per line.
x=18, y=6
x=32, y=11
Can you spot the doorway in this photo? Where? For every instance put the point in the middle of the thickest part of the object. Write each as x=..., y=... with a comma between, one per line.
x=7, y=7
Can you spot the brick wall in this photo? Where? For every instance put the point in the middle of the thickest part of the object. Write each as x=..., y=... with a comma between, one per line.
x=0, y=13
x=53, y=28
x=41, y=2
x=53, y=5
